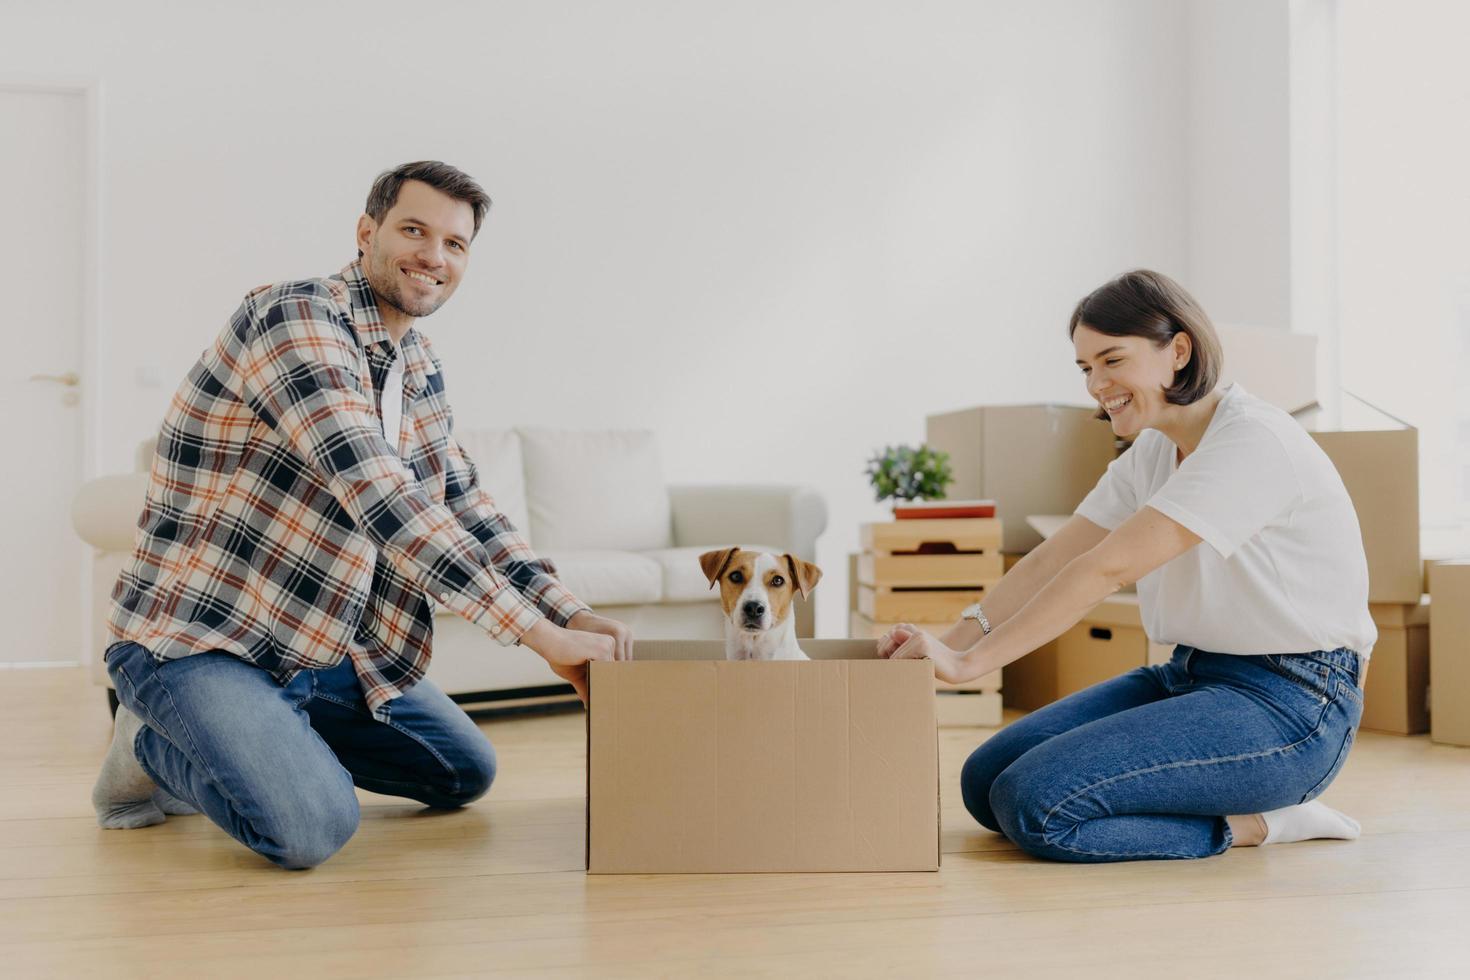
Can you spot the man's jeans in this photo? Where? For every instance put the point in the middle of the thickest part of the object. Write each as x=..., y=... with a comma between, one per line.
x=1147, y=765
x=275, y=766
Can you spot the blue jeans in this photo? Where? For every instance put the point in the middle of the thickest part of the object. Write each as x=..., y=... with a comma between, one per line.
x=274, y=766
x=1149, y=764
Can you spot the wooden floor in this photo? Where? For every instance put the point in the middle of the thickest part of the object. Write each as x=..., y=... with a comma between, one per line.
x=498, y=888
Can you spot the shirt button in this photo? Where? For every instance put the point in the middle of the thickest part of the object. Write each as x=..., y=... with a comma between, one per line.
x=444, y=597
x=495, y=630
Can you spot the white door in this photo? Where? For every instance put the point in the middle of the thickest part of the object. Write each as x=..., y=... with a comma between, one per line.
x=42, y=562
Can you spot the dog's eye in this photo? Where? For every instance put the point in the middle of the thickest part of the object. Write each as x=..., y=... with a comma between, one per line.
x=777, y=581
x=737, y=577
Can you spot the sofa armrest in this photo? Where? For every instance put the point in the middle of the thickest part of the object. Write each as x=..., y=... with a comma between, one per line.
x=105, y=511
x=782, y=516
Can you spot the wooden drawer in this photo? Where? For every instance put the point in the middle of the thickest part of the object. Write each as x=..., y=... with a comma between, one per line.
x=973, y=535
x=930, y=571
x=884, y=605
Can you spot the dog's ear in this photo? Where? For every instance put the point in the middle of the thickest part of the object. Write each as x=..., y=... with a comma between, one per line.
x=803, y=573
x=714, y=562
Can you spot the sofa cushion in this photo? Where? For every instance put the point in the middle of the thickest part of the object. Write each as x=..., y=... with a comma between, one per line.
x=596, y=490
x=608, y=578
x=683, y=579
x=497, y=457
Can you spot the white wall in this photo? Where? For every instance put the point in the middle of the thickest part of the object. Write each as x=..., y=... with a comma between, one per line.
x=777, y=233
x=1404, y=204
x=1239, y=178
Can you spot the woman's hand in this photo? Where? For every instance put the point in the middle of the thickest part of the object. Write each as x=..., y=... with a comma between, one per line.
x=896, y=637
x=949, y=665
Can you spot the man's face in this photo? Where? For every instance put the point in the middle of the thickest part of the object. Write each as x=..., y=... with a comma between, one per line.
x=414, y=259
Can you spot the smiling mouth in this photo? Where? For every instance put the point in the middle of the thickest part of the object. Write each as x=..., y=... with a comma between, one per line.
x=422, y=277
x=1115, y=405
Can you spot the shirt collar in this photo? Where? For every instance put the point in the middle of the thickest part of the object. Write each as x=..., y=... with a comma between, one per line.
x=373, y=335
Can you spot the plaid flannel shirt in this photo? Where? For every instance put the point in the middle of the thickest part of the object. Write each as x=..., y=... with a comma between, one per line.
x=281, y=527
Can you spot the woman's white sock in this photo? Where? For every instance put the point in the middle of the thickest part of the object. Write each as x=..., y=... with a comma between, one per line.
x=1308, y=821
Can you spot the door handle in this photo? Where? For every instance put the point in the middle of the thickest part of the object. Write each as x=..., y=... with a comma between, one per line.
x=71, y=379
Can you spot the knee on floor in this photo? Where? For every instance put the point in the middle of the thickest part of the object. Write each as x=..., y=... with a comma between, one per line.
x=313, y=832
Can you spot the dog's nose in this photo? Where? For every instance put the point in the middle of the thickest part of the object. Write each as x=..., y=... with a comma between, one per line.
x=753, y=609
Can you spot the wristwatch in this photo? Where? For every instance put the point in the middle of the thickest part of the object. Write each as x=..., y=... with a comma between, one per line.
x=974, y=612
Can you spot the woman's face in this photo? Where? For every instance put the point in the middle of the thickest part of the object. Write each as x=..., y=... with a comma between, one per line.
x=1127, y=376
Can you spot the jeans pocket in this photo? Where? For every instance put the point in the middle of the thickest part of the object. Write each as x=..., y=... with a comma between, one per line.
x=1312, y=675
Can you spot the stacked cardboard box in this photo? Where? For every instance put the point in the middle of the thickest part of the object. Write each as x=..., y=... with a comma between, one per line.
x=926, y=572
x=1108, y=641
x=1449, y=653
x=1396, y=690
x=1029, y=459
x=698, y=764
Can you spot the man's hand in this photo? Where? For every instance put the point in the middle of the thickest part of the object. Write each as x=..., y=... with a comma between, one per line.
x=949, y=665
x=568, y=651
x=589, y=622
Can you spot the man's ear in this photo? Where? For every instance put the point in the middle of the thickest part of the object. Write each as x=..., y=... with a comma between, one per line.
x=366, y=229
x=803, y=573
x=714, y=562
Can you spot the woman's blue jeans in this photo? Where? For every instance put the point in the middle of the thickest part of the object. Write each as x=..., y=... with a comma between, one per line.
x=274, y=766
x=1149, y=764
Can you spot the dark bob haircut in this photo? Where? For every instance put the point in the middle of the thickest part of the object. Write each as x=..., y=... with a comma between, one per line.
x=1153, y=306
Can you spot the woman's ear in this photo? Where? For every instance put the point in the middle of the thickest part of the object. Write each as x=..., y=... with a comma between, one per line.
x=1183, y=350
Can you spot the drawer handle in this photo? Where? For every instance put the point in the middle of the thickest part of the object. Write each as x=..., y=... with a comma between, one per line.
x=1099, y=633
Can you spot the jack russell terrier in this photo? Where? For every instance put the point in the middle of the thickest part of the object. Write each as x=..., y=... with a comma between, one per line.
x=757, y=591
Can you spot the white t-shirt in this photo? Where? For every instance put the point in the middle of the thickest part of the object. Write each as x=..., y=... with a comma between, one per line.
x=1281, y=567
x=393, y=402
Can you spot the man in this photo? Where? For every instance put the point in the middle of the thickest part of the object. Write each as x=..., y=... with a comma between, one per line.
x=307, y=502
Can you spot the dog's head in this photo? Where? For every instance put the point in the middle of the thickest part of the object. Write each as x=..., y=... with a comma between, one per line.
x=757, y=588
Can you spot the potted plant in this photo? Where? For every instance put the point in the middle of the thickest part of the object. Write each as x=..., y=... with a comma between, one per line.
x=905, y=473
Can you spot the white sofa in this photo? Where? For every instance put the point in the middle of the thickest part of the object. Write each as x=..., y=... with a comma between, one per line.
x=594, y=502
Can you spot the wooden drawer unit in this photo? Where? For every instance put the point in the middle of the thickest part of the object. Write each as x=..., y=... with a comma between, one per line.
x=926, y=570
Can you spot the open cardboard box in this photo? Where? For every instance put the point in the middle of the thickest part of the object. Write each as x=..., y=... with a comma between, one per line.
x=696, y=764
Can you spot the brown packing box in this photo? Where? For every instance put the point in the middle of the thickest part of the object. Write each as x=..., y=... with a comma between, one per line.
x=1381, y=472
x=1449, y=653
x=1395, y=692
x=1108, y=641
x=697, y=764
x=1029, y=459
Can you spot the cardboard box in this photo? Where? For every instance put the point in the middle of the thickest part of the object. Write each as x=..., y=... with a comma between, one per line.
x=1381, y=472
x=697, y=764
x=1108, y=641
x=1029, y=459
x=1396, y=689
x=1274, y=365
x=1449, y=653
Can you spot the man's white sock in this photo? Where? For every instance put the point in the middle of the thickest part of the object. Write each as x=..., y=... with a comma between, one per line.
x=123, y=794
x=1308, y=821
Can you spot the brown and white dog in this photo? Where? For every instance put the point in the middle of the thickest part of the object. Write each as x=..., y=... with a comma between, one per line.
x=757, y=590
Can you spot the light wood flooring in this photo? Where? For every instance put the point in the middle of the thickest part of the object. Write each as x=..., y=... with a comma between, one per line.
x=499, y=888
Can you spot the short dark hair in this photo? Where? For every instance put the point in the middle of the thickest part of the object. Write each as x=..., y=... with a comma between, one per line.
x=440, y=176
x=1149, y=304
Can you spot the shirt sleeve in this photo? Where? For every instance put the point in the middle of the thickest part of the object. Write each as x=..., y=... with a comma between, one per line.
x=1115, y=498
x=299, y=375
x=1236, y=483
x=509, y=552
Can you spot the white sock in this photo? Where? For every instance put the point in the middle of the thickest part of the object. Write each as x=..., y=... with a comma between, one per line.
x=1308, y=821
x=123, y=794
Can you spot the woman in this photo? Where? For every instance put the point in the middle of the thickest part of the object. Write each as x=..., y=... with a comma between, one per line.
x=1247, y=555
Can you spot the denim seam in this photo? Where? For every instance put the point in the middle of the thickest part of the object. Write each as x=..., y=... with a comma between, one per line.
x=203, y=763
x=1279, y=750
x=1299, y=681
x=438, y=757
